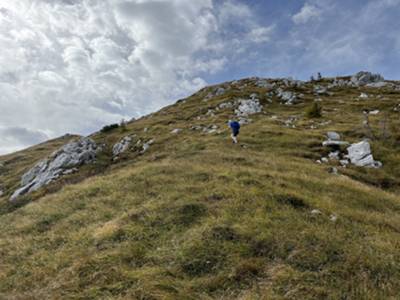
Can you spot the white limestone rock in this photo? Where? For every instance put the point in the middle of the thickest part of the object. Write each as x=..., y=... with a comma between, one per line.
x=71, y=155
x=360, y=155
x=363, y=78
x=286, y=97
x=122, y=146
x=248, y=107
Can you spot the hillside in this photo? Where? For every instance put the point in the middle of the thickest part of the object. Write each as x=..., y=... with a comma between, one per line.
x=183, y=213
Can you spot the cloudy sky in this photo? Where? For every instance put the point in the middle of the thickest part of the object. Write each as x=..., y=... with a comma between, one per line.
x=76, y=65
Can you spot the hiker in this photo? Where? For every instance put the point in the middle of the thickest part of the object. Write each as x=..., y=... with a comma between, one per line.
x=235, y=126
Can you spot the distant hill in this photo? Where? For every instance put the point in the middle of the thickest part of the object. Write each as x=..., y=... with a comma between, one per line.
x=167, y=207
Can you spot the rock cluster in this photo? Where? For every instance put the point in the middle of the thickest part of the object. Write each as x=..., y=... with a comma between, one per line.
x=358, y=154
x=286, y=97
x=363, y=78
x=122, y=146
x=62, y=162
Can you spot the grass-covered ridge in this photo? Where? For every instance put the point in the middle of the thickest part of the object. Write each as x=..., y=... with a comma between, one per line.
x=196, y=217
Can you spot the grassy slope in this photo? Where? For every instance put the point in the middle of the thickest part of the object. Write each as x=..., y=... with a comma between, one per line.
x=196, y=217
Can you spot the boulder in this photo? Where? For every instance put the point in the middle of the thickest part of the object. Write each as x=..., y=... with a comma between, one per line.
x=334, y=136
x=248, y=107
x=364, y=78
x=287, y=97
x=122, y=146
x=361, y=156
x=70, y=156
x=176, y=131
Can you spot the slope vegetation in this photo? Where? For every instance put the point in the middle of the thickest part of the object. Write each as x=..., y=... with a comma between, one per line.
x=197, y=217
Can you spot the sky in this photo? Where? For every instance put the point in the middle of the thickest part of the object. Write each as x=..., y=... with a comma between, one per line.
x=73, y=66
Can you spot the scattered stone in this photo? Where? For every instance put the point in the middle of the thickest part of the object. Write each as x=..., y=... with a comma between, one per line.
x=324, y=160
x=333, y=171
x=70, y=156
x=361, y=156
x=334, y=155
x=176, y=131
x=146, y=146
x=344, y=162
x=363, y=96
x=145, y=129
x=333, y=217
x=320, y=90
x=333, y=136
x=374, y=112
x=1, y=193
x=122, y=146
x=316, y=212
x=265, y=84
x=377, y=84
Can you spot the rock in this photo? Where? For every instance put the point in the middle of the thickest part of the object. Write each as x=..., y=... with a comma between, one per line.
x=1, y=193
x=330, y=143
x=374, y=112
x=377, y=84
x=176, y=131
x=333, y=218
x=316, y=212
x=287, y=97
x=361, y=156
x=320, y=90
x=364, y=78
x=146, y=146
x=145, y=129
x=265, y=84
x=122, y=146
x=219, y=91
x=334, y=155
x=71, y=155
x=226, y=105
x=344, y=162
x=363, y=96
x=333, y=136
x=324, y=160
x=333, y=171
x=248, y=107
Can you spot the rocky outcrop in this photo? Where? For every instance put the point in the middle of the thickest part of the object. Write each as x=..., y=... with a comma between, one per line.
x=364, y=78
x=286, y=97
x=122, y=146
x=360, y=155
x=248, y=107
x=62, y=162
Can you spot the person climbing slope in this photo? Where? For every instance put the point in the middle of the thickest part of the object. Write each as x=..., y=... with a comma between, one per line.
x=235, y=127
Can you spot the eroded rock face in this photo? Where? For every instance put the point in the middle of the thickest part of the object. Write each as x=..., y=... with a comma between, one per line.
x=364, y=78
x=361, y=156
x=61, y=162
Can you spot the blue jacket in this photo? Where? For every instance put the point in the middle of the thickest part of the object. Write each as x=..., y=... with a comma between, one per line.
x=235, y=126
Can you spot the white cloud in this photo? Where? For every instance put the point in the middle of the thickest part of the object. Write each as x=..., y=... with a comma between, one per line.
x=307, y=13
x=75, y=65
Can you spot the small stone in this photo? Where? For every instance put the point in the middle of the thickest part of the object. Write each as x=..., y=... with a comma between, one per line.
x=324, y=160
x=333, y=218
x=334, y=136
x=176, y=131
x=316, y=212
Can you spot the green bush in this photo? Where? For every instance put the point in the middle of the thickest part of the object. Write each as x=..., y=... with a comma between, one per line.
x=109, y=127
x=314, y=111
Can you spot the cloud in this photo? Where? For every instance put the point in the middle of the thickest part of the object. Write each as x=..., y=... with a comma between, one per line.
x=75, y=65
x=14, y=138
x=307, y=13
